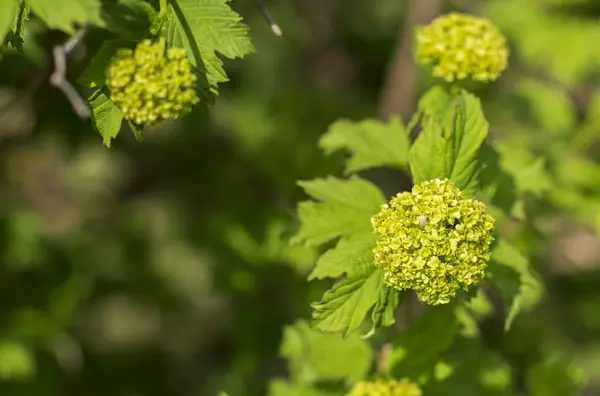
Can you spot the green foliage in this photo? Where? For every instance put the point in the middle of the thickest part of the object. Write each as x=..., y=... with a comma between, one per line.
x=344, y=307
x=204, y=29
x=453, y=144
x=106, y=115
x=7, y=14
x=165, y=268
x=350, y=254
x=315, y=356
x=451, y=151
x=65, y=14
x=344, y=209
x=371, y=143
x=131, y=19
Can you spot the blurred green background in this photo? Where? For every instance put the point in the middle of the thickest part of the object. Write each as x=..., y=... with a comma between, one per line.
x=163, y=268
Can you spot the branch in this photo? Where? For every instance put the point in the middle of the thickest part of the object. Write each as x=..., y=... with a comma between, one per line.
x=59, y=77
x=398, y=88
x=265, y=13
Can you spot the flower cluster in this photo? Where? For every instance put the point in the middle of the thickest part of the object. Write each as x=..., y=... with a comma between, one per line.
x=432, y=240
x=385, y=388
x=460, y=46
x=150, y=84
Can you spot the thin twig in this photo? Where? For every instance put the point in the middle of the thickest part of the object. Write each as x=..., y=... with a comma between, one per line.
x=59, y=76
x=265, y=13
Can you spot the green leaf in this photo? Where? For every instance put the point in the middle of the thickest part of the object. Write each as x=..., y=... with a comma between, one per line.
x=344, y=307
x=451, y=152
x=65, y=14
x=315, y=356
x=437, y=103
x=417, y=350
x=106, y=115
x=132, y=19
x=95, y=73
x=427, y=154
x=217, y=27
x=205, y=28
x=346, y=208
x=511, y=273
x=15, y=34
x=470, y=130
x=350, y=253
x=8, y=9
x=370, y=142
x=384, y=313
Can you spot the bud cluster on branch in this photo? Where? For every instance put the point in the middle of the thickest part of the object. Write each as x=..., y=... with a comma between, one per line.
x=460, y=46
x=150, y=84
x=433, y=240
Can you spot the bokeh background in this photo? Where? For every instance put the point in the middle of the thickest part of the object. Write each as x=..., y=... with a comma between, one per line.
x=163, y=268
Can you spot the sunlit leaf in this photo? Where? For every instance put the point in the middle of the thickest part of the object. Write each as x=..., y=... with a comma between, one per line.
x=66, y=14
x=450, y=150
x=8, y=10
x=370, y=142
x=350, y=253
x=205, y=28
x=344, y=308
x=345, y=208
x=106, y=115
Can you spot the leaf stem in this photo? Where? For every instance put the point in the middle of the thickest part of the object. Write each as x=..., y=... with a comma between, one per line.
x=163, y=6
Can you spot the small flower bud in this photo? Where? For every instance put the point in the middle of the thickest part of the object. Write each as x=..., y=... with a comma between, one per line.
x=151, y=85
x=385, y=388
x=432, y=240
x=460, y=46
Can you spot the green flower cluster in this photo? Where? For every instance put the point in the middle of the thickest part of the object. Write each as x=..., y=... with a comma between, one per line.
x=150, y=84
x=460, y=46
x=385, y=388
x=432, y=240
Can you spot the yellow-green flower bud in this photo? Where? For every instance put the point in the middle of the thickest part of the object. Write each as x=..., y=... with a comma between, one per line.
x=433, y=240
x=151, y=85
x=385, y=388
x=460, y=46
